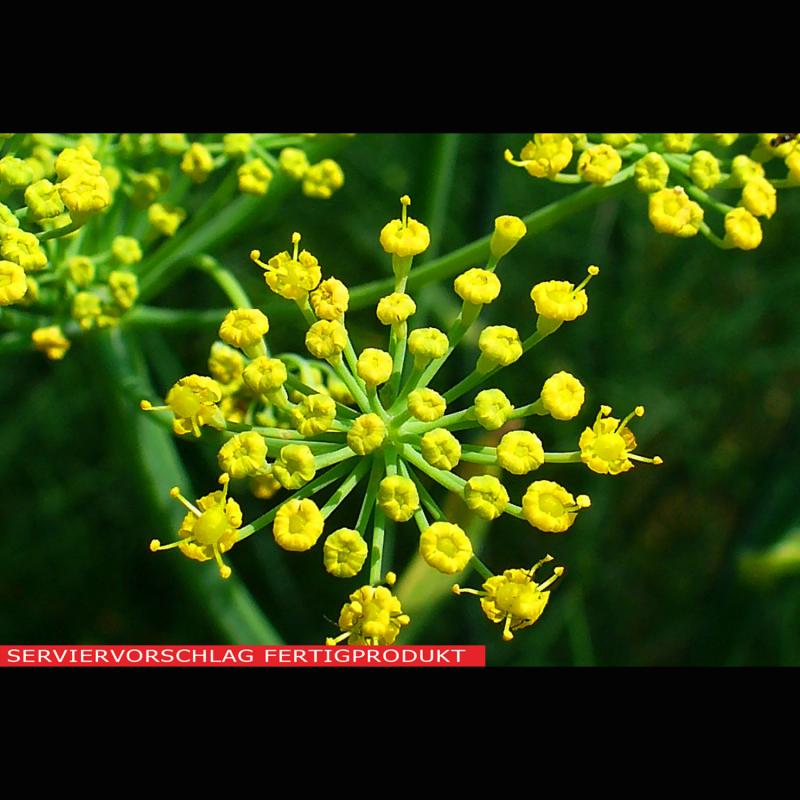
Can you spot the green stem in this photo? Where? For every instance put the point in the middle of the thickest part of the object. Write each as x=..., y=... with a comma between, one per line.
x=444, y=162
x=376, y=548
x=346, y=487
x=175, y=318
x=226, y=281
x=329, y=459
x=56, y=233
x=446, y=479
x=371, y=494
x=476, y=252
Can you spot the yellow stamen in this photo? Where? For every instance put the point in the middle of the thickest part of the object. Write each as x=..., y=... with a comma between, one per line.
x=156, y=545
x=593, y=270
x=406, y=201
x=176, y=493
x=391, y=578
x=146, y=405
x=296, y=242
x=507, y=635
x=557, y=573
x=224, y=569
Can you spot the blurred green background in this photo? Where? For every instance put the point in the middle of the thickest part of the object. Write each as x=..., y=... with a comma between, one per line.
x=695, y=562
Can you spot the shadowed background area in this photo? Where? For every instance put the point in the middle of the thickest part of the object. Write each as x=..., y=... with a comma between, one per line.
x=694, y=562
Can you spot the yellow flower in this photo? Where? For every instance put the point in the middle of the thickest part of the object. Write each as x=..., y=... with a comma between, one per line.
x=295, y=466
x=366, y=435
x=292, y=277
x=395, y=308
x=672, y=212
x=22, y=248
x=374, y=366
x=86, y=309
x=298, y=525
x=373, y=616
x=15, y=173
x=126, y=250
x=323, y=179
x=294, y=162
x=193, y=400
x=704, y=169
x=172, y=143
x=165, y=219
x=427, y=343
x=237, y=145
x=508, y=231
x=244, y=328
x=441, y=449
x=209, y=529
x=326, y=339
x=562, y=301
x=445, y=547
x=265, y=374
x=742, y=229
x=599, y=164
x=520, y=452
x=84, y=194
x=606, y=446
x=426, y=405
x=330, y=299
x=264, y=487
x=678, y=142
x=405, y=237
x=147, y=186
x=314, y=414
x=344, y=553
x=12, y=283
x=545, y=156
x=226, y=365
x=51, y=341
x=514, y=598
x=254, y=177
x=650, y=173
x=725, y=139
x=477, y=286
x=549, y=507
x=124, y=287
x=759, y=197
x=43, y=199
x=744, y=169
x=398, y=498
x=7, y=219
x=500, y=346
x=243, y=455
x=619, y=140
x=492, y=409
x=197, y=162
x=485, y=496
x=562, y=396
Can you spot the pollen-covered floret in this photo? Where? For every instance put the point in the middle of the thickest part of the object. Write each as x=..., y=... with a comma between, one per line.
x=427, y=343
x=441, y=449
x=209, y=529
x=508, y=231
x=290, y=276
x=326, y=339
x=321, y=180
x=545, y=156
x=243, y=455
x=344, y=553
x=12, y=283
x=124, y=287
x=330, y=299
x=651, y=173
x=294, y=162
x=562, y=396
x=672, y=212
x=295, y=466
x=485, y=496
x=165, y=219
x=367, y=434
x=562, y=301
x=492, y=409
x=126, y=250
x=406, y=236
x=549, y=507
x=426, y=405
x=520, y=452
x=759, y=197
x=254, y=177
x=197, y=162
x=43, y=199
x=298, y=525
x=51, y=341
x=395, y=308
x=193, y=400
x=374, y=366
x=244, y=327
x=84, y=194
x=398, y=498
x=314, y=414
x=500, y=346
x=514, y=598
x=477, y=286
x=607, y=446
x=742, y=229
x=22, y=248
x=445, y=547
x=704, y=169
x=599, y=164
x=373, y=616
x=263, y=374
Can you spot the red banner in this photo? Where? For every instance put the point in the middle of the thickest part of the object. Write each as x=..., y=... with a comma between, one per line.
x=13, y=655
